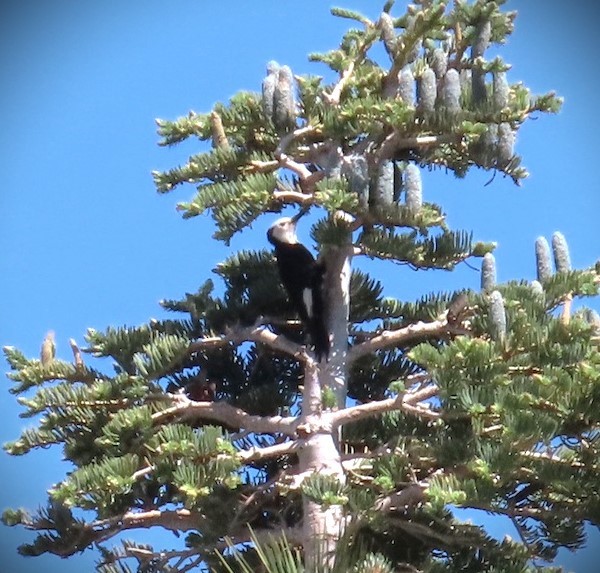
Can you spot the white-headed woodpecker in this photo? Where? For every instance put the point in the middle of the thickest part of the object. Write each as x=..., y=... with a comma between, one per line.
x=302, y=278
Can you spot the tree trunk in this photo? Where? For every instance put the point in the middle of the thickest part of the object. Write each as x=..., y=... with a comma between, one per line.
x=319, y=453
x=334, y=374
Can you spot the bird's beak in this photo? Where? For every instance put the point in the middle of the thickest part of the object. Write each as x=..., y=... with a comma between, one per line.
x=300, y=213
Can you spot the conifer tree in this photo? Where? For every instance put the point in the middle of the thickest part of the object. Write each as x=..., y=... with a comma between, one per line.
x=220, y=424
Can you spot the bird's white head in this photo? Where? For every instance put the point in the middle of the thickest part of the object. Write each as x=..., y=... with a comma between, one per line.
x=283, y=231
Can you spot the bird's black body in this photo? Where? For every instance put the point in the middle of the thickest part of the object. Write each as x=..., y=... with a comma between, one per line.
x=302, y=278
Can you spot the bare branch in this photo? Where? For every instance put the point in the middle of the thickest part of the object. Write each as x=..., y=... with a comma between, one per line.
x=405, y=402
x=76, y=353
x=255, y=454
x=287, y=139
x=143, y=472
x=296, y=196
x=226, y=414
x=388, y=338
x=263, y=166
x=299, y=169
x=333, y=98
x=255, y=333
x=548, y=457
x=174, y=520
x=396, y=142
x=408, y=497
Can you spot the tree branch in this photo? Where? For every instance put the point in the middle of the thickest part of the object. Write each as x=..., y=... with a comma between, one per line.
x=255, y=454
x=226, y=414
x=333, y=98
x=287, y=139
x=174, y=520
x=255, y=333
x=396, y=142
x=547, y=457
x=301, y=198
x=405, y=402
x=399, y=337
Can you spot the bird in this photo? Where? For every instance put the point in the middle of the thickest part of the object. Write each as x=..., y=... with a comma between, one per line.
x=302, y=278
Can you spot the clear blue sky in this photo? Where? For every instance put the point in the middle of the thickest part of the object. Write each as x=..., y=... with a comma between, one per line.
x=88, y=243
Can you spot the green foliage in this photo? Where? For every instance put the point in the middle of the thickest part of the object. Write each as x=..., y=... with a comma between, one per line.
x=443, y=251
x=237, y=180
x=510, y=376
x=235, y=204
x=324, y=489
x=373, y=563
x=275, y=556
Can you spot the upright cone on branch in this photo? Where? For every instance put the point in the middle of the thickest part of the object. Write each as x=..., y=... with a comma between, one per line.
x=501, y=91
x=481, y=44
x=426, y=91
x=439, y=63
x=388, y=34
x=451, y=91
x=542, y=259
x=284, y=104
x=498, y=316
x=382, y=193
x=413, y=187
x=488, y=272
x=407, y=86
x=506, y=144
x=562, y=258
x=356, y=171
x=48, y=351
x=268, y=88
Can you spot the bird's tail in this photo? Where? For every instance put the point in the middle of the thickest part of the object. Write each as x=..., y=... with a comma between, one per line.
x=319, y=334
x=318, y=326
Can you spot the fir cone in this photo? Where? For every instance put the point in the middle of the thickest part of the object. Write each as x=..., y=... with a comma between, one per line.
x=439, y=63
x=538, y=289
x=451, y=91
x=488, y=272
x=268, y=88
x=501, y=91
x=482, y=41
x=284, y=105
x=383, y=192
x=356, y=171
x=506, y=144
x=562, y=258
x=542, y=259
x=48, y=350
x=328, y=157
x=388, y=34
x=406, y=86
x=488, y=145
x=414, y=53
x=426, y=91
x=483, y=35
x=498, y=316
x=413, y=187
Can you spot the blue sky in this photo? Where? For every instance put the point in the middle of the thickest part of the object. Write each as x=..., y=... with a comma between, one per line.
x=88, y=242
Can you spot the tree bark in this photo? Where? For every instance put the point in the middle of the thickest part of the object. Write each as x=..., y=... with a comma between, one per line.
x=323, y=526
x=334, y=373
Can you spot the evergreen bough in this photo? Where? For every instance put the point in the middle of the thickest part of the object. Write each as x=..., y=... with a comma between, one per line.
x=219, y=423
